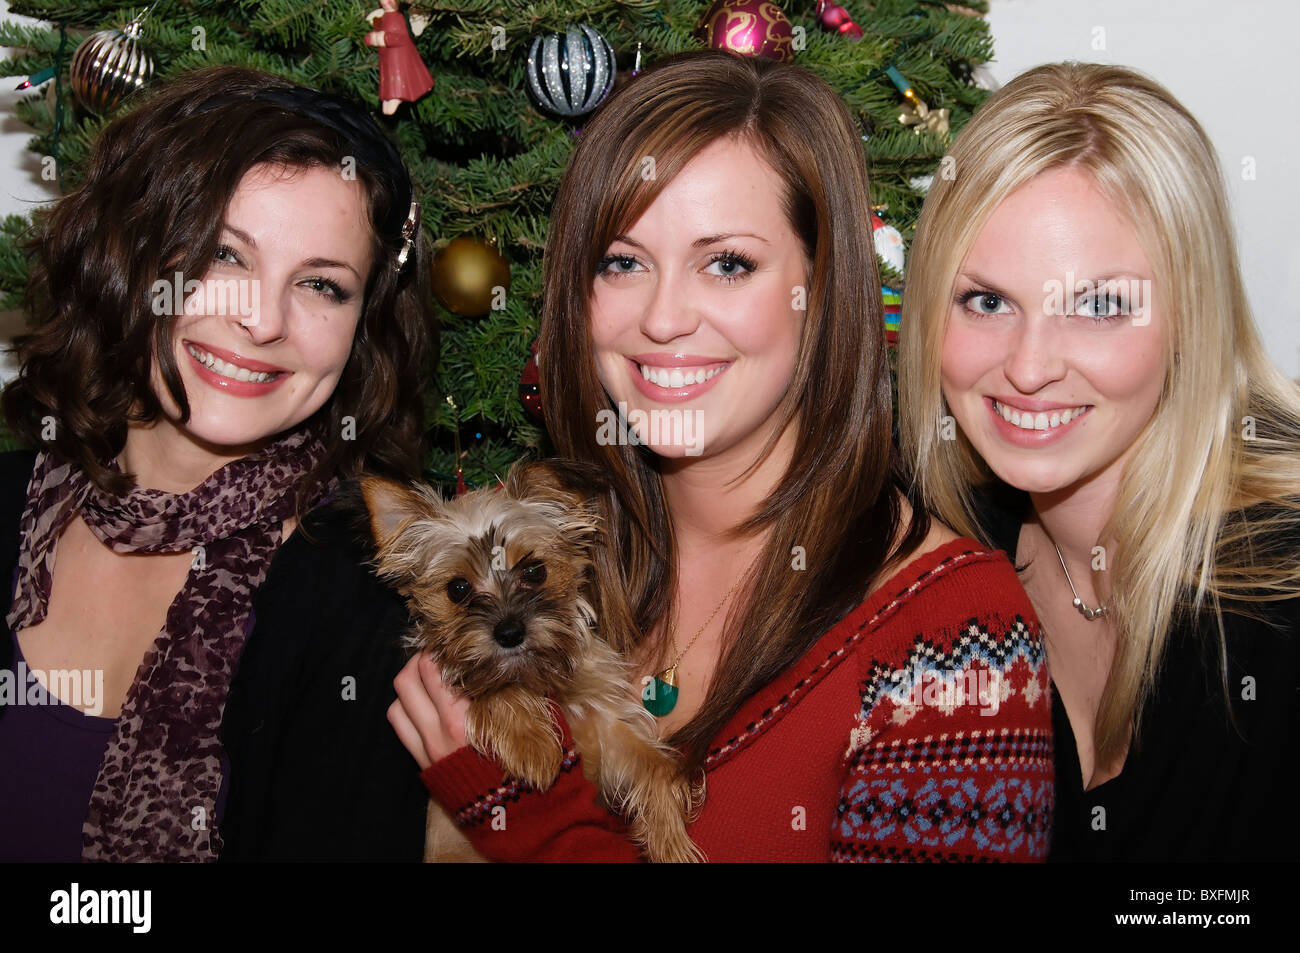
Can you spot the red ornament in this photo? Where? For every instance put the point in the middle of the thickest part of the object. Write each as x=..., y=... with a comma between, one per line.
x=403, y=77
x=748, y=28
x=835, y=18
x=530, y=391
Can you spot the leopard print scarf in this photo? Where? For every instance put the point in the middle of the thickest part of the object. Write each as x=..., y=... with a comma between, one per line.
x=155, y=796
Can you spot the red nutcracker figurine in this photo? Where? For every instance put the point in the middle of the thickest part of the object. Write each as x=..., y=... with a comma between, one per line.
x=403, y=76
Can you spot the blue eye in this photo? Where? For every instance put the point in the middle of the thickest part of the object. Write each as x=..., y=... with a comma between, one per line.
x=1104, y=307
x=616, y=265
x=731, y=265
x=984, y=302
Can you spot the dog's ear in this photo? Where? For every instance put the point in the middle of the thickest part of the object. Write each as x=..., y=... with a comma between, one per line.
x=568, y=481
x=392, y=507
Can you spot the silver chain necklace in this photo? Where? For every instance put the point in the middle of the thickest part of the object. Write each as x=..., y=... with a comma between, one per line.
x=1087, y=613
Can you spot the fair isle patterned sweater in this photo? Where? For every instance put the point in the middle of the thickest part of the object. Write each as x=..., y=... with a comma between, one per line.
x=917, y=729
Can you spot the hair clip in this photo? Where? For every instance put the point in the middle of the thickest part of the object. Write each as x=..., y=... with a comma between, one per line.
x=408, y=234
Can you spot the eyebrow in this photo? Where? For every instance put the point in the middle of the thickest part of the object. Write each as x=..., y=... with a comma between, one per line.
x=1121, y=275
x=331, y=263
x=701, y=242
x=1116, y=276
x=239, y=233
x=714, y=239
x=247, y=239
x=983, y=283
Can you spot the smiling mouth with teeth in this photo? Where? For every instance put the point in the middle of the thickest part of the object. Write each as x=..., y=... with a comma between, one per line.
x=232, y=371
x=678, y=376
x=1043, y=420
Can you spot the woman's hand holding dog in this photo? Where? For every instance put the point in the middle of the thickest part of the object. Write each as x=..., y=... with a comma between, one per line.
x=428, y=716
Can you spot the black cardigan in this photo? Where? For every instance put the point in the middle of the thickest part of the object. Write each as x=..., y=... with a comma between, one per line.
x=315, y=770
x=1192, y=788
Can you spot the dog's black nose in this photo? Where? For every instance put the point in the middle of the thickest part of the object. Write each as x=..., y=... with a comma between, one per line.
x=508, y=633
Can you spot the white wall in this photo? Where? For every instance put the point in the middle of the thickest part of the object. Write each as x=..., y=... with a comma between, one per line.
x=1232, y=65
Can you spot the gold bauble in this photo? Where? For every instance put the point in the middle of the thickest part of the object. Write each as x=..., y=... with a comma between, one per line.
x=467, y=274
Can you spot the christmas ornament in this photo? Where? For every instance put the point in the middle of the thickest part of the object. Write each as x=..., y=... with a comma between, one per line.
x=403, y=76
x=622, y=78
x=922, y=118
x=461, y=489
x=110, y=65
x=893, y=300
x=836, y=19
x=889, y=243
x=915, y=112
x=749, y=28
x=530, y=391
x=470, y=277
x=569, y=75
x=983, y=78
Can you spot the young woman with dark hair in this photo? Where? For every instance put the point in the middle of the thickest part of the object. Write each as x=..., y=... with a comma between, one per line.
x=852, y=681
x=228, y=318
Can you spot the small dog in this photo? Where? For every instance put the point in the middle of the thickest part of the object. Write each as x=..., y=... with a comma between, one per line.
x=506, y=586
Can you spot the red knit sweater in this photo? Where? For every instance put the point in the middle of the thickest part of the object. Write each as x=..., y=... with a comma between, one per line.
x=917, y=728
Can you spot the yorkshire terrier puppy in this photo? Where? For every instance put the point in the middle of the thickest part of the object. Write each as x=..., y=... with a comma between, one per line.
x=506, y=586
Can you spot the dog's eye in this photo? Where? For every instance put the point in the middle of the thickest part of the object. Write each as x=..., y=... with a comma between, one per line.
x=534, y=575
x=458, y=589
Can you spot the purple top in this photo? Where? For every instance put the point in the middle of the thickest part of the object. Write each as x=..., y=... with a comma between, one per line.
x=51, y=754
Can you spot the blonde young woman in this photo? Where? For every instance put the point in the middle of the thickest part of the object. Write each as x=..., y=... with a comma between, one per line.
x=1082, y=385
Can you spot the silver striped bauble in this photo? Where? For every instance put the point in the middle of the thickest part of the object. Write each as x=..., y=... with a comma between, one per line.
x=570, y=74
x=108, y=66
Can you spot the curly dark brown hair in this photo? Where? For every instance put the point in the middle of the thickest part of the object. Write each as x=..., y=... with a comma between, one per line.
x=152, y=203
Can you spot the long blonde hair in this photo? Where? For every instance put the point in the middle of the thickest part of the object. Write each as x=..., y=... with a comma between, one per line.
x=1212, y=485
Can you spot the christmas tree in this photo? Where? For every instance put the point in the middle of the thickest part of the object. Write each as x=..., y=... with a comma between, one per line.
x=485, y=151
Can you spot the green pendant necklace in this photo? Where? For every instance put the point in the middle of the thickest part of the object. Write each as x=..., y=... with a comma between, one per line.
x=660, y=693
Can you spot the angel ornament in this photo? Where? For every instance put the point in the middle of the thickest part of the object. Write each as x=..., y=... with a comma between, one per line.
x=403, y=77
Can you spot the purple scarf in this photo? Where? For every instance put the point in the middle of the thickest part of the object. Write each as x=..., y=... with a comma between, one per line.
x=156, y=792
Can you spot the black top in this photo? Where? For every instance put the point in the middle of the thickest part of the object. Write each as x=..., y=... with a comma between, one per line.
x=315, y=772
x=1193, y=787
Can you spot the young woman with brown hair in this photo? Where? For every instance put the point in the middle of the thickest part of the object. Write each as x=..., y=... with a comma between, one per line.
x=226, y=323
x=806, y=632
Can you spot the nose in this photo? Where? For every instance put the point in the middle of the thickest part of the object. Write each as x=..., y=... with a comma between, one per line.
x=668, y=314
x=509, y=632
x=262, y=316
x=1037, y=354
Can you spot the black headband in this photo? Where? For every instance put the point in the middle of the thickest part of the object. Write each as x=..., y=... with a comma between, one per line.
x=371, y=147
